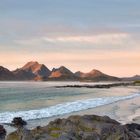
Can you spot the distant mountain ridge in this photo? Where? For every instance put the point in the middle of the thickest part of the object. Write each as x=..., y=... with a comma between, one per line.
x=39, y=72
x=96, y=75
x=133, y=78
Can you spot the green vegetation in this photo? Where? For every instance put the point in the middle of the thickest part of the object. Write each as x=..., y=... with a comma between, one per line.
x=86, y=129
x=54, y=129
x=56, y=135
x=137, y=83
x=13, y=136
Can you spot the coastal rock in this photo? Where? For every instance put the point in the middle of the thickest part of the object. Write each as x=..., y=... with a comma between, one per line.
x=87, y=127
x=99, y=85
x=2, y=133
x=18, y=122
x=22, y=133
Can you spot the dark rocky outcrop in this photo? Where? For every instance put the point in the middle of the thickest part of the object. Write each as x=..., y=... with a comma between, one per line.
x=2, y=133
x=99, y=86
x=18, y=122
x=22, y=133
x=87, y=127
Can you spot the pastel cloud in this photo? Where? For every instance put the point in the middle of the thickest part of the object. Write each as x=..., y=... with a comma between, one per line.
x=97, y=39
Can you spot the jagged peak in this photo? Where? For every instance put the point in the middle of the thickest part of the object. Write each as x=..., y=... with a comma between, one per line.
x=61, y=71
x=78, y=72
x=34, y=66
x=30, y=64
x=61, y=68
x=95, y=71
x=3, y=68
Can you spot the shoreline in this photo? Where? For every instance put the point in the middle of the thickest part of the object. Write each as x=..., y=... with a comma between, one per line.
x=125, y=112
x=121, y=114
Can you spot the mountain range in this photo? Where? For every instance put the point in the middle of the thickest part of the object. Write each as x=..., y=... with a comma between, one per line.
x=39, y=72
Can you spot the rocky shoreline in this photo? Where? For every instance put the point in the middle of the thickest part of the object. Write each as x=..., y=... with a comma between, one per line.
x=76, y=127
x=99, y=86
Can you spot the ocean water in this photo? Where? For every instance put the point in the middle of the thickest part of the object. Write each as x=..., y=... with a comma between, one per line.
x=37, y=100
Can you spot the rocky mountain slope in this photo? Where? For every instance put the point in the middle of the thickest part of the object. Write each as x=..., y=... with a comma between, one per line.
x=62, y=73
x=32, y=71
x=5, y=74
x=23, y=75
x=37, y=69
x=95, y=75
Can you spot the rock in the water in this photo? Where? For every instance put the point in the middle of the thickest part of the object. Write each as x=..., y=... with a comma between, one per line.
x=18, y=122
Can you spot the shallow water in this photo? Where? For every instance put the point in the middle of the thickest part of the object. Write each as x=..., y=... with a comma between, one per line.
x=36, y=100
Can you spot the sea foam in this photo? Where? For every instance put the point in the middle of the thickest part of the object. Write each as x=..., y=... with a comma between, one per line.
x=61, y=109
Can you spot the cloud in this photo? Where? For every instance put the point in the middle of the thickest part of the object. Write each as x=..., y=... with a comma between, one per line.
x=97, y=39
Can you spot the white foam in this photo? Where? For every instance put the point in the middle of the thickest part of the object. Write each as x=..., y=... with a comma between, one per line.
x=61, y=109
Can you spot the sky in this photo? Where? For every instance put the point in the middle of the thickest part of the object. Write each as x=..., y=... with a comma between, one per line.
x=79, y=34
